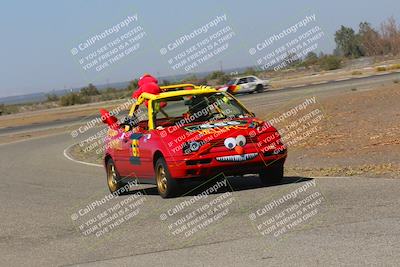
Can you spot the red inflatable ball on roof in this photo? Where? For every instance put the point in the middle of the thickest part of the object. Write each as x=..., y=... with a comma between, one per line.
x=147, y=84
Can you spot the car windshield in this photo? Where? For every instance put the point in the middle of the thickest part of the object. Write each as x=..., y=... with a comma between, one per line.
x=231, y=82
x=196, y=108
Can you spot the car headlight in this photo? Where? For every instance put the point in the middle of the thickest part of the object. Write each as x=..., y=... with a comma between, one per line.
x=190, y=147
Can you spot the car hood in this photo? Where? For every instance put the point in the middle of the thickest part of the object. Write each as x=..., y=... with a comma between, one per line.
x=216, y=129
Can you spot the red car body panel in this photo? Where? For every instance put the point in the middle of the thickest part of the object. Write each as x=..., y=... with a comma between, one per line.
x=135, y=153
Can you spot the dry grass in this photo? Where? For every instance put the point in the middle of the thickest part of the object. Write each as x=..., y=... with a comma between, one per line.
x=356, y=72
x=381, y=68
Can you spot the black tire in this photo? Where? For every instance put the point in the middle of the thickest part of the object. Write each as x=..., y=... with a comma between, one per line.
x=259, y=88
x=166, y=186
x=113, y=178
x=271, y=176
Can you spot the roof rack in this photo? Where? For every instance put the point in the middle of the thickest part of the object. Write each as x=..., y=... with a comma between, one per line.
x=176, y=87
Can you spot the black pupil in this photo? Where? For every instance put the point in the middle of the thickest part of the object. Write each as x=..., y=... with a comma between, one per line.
x=230, y=145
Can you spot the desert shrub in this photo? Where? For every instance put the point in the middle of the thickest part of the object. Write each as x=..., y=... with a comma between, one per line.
x=310, y=59
x=202, y=81
x=52, y=97
x=215, y=75
x=106, y=97
x=165, y=83
x=250, y=71
x=8, y=109
x=73, y=99
x=109, y=90
x=223, y=79
x=330, y=62
x=90, y=90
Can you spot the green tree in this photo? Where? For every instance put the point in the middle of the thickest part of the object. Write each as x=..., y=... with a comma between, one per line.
x=348, y=42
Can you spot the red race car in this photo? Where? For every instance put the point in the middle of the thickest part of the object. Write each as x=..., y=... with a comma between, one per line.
x=195, y=133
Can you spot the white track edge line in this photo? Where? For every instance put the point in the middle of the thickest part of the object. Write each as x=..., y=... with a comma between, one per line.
x=78, y=161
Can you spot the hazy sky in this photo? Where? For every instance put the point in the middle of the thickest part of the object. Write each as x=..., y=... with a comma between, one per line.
x=37, y=36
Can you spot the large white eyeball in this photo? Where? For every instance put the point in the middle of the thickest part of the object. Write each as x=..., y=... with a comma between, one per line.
x=240, y=140
x=230, y=143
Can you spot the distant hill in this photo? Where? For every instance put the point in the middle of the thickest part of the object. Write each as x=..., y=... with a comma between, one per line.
x=41, y=96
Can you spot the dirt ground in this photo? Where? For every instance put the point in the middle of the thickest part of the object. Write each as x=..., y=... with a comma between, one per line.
x=359, y=135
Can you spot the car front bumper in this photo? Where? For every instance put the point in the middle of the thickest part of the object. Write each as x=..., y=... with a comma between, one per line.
x=229, y=165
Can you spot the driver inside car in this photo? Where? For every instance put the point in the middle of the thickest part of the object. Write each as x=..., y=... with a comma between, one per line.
x=199, y=108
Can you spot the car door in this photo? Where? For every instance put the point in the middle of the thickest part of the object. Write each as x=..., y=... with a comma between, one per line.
x=252, y=83
x=244, y=87
x=135, y=155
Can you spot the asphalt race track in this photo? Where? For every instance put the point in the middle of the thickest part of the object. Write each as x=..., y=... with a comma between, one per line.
x=356, y=222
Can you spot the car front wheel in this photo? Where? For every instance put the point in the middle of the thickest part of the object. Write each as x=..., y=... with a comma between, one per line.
x=113, y=178
x=259, y=88
x=166, y=186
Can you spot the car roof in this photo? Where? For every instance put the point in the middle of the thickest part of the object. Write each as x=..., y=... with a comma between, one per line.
x=241, y=77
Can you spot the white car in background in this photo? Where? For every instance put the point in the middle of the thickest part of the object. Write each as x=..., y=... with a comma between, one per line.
x=245, y=84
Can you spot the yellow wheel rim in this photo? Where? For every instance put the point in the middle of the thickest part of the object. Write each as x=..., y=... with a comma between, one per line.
x=161, y=179
x=112, y=178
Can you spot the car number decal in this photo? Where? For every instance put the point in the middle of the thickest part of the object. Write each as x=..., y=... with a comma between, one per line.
x=135, y=157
